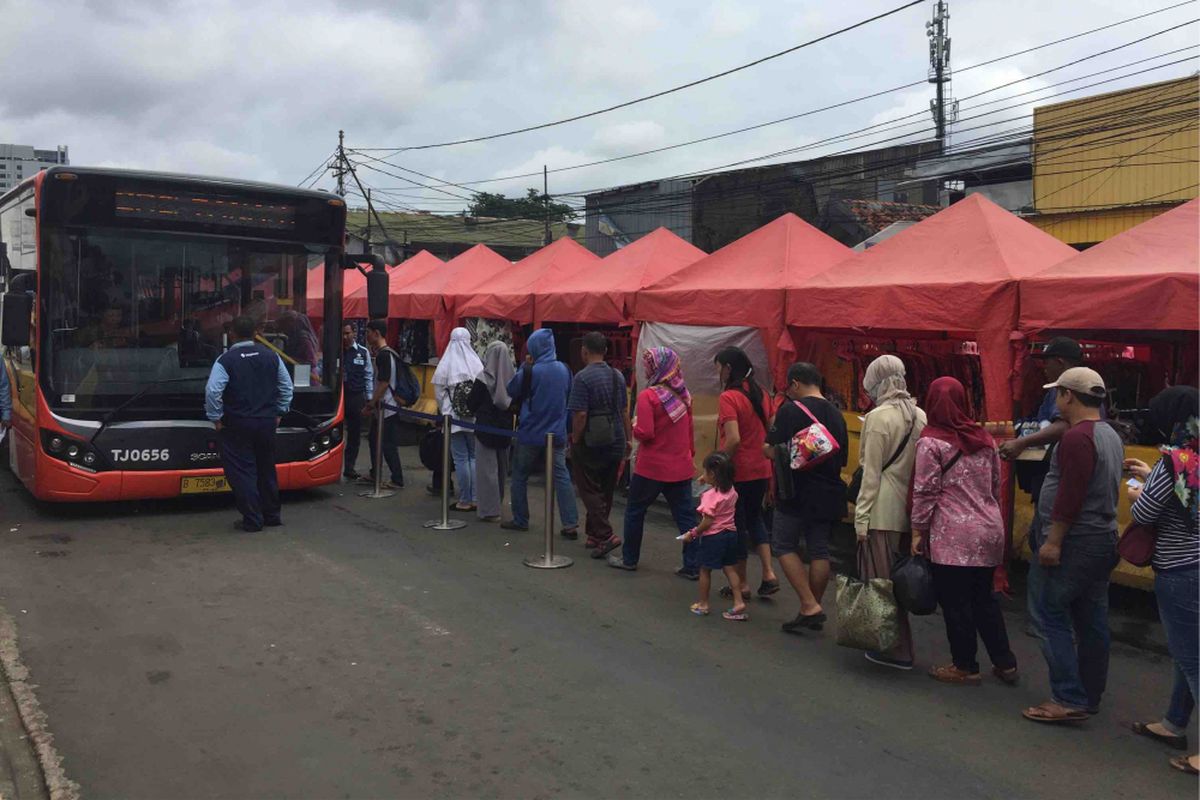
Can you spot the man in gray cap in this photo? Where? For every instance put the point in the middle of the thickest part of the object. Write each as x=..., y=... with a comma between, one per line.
x=1069, y=573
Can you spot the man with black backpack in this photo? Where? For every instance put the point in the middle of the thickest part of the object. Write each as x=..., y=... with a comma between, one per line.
x=600, y=437
x=395, y=388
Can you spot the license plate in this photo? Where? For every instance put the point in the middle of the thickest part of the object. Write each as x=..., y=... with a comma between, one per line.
x=204, y=485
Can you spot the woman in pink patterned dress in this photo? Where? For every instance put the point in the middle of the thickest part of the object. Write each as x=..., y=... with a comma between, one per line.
x=956, y=514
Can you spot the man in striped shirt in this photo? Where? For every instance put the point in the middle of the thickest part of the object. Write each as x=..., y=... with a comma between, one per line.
x=1076, y=551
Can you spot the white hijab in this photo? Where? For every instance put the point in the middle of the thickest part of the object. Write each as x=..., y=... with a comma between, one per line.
x=884, y=381
x=459, y=363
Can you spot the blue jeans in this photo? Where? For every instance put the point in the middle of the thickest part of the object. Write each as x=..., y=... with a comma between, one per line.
x=644, y=491
x=523, y=461
x=1069, y=603
x=1178, y=607
x=462, y=448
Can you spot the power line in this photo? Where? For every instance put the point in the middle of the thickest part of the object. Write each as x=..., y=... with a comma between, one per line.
x=664, y=92
x=464, y=184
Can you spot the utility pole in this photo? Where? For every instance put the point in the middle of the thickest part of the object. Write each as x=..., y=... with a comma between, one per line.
x=546, y=202
x=367, y=235
x=341, y=164
x=944, y=108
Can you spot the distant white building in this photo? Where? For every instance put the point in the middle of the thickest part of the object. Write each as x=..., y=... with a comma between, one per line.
x=19, y=161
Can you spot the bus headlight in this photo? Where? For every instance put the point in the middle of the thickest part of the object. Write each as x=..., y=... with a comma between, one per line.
x=312, y=447
x=89, y=459
x=73, y=451
x=56, y=444
x=336, y=433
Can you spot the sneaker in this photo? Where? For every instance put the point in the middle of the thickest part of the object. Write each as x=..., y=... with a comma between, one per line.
x=618, y=562
x=512, y=526
x=887, y=661
x=606, y=547
x=570, y=534
x=244, y=528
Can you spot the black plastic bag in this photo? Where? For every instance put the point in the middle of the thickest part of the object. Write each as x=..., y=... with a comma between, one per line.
x=912, y=584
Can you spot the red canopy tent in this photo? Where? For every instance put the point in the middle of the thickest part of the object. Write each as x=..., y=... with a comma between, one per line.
x=605, y=295
x=1147, y=278
x=352, y=281
x=743, y=283
x=953, y=273
x=430, y=296
x=510, y=296
x=354, y=306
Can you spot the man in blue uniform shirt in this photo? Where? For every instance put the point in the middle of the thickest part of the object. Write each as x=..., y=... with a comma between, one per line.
x=248, y=392
x=358, y=380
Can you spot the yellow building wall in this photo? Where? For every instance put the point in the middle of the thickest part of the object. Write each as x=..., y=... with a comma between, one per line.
x=1135, y=147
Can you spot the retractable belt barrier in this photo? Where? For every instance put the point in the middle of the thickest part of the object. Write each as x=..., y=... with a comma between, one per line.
x=546, y=560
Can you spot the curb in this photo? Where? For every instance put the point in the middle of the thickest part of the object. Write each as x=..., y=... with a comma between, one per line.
x=58, y=786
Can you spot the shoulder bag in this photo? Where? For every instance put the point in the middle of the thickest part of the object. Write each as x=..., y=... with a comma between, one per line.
x=813, y=444
x=600, y=430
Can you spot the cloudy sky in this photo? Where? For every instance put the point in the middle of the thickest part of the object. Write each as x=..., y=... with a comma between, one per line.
x=259, y=88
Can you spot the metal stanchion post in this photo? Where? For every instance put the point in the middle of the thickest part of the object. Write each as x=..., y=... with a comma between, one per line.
x=445, y=523
x=378, y=492
x=548, y=560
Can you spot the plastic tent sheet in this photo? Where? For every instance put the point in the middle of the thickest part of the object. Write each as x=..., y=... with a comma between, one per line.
x=1147, y=278
x=953, y=273
x=744, y=282
x=604, y=294
x=510, y=296
x=424, y=262
x=430, y=296
x=697, y=346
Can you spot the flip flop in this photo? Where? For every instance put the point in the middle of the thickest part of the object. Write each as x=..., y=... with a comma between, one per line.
x=736, y=616
x=1044, y=715
x=698, y=611
x=1184, y=764
x=1143, y=729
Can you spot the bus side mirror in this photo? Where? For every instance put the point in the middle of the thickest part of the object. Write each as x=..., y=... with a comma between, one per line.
x=17, y=316
x=377, y=282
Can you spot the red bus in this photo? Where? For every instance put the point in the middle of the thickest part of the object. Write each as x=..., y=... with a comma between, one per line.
x=119, y=289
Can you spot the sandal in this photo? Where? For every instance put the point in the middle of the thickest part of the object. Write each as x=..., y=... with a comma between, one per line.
x=1143, y=729
x=463, y=506
x=699, y=610
x=1052, y=713
x=1009, y=677
x=953, y=675
x=736, y=616
x=1184, y=764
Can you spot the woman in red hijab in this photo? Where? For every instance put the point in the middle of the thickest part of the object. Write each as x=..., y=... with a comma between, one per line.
x=956, y=516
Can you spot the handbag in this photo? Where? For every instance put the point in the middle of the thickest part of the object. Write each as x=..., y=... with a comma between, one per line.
x=812, y=445
x=1136, y=544
x=857, y=478
x=912, y=585
x=868, y=617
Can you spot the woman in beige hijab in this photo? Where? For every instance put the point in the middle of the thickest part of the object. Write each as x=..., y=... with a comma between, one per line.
x=887, y=456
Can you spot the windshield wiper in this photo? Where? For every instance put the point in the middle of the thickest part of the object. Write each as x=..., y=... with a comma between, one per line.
x=111, y=415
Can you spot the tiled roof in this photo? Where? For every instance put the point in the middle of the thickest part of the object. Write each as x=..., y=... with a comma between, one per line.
x=875, y=215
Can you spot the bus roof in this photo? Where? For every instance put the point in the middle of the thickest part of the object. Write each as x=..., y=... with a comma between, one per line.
x=172, y=177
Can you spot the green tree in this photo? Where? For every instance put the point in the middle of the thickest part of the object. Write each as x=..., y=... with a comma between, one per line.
x=531, y=206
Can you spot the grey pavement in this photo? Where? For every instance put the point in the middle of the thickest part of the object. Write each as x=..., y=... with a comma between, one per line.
x=353, y=653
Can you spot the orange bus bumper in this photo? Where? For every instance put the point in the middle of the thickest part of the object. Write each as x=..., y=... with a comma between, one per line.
x=60, y=482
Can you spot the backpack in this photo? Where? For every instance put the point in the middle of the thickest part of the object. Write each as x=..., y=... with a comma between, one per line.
x=407, y=390
x=460, y=399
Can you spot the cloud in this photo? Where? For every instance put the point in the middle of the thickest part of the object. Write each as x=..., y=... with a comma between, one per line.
x=626, y=137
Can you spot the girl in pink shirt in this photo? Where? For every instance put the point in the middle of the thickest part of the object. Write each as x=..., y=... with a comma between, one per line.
x=717, y=535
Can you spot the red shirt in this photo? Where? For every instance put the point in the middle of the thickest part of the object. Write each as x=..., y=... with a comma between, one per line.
x=749, y=463
x=665, y=448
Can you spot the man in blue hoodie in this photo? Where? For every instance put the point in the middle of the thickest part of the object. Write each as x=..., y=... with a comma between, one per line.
x=542, y=386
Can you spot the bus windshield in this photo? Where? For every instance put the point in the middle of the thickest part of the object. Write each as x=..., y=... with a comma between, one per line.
x=127, y=309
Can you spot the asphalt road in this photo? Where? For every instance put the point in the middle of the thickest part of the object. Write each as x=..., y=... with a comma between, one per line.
x=353, y=653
